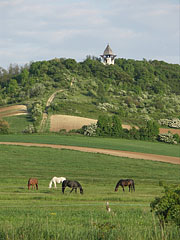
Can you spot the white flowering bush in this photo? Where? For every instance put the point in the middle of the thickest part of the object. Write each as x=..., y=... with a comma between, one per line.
x=122, y=93
x=90, y=130
x=167, y=138
x=105, y=106
x=173, y=123
x=29, y=129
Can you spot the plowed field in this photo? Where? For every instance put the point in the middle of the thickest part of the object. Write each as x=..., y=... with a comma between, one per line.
x=13, y=110
x=68, y=122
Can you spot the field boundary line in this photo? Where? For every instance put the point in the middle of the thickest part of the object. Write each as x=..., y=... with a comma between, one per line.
x=135, y=155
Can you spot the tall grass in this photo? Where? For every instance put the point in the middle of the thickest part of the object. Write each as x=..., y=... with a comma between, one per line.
x=48, y=214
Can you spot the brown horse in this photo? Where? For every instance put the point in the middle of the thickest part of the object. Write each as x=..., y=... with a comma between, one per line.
x=33, y=182
x=125, y=182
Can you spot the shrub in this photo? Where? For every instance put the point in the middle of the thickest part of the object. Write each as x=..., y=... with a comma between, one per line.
x=29, y=129
x=173, y=123
x=4, y=127
x=176, y=137
x=167, y=207
x=134, y=133
x=89, y=130
x=167, y=138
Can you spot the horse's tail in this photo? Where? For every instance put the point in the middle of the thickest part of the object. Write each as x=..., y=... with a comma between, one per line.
x=80, y=187
x=133, y=185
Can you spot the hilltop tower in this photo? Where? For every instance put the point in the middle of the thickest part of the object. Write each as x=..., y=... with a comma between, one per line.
x=108, y=56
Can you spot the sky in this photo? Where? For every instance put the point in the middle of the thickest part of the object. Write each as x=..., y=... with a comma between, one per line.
x=35, y=30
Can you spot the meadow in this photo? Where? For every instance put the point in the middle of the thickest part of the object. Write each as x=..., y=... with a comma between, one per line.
x=97, y=142
x=48, y=214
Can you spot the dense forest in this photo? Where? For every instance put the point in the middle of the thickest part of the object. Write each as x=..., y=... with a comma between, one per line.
x=134, y=90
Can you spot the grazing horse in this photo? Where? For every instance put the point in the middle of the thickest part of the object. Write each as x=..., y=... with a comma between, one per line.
x=125, y=182
x=33, y=182
x=73, y=185
x=56, y=180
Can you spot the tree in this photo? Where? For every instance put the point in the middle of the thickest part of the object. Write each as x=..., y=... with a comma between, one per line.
x=150, y=131
x=104, y=126
x=12, y=87
x=116, y=126
x=37, y=90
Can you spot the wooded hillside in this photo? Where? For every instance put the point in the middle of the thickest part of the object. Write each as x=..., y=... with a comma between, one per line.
x=133, y=90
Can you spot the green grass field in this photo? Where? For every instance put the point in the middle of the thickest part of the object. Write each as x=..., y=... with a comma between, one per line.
x=48, y=214
x=96, y=142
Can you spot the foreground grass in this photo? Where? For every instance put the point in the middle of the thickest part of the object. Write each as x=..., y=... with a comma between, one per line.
x=48, y=214
x=106, y=143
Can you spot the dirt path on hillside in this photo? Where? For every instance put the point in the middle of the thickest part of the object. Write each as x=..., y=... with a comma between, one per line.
x=45, y=115
x=146, y=156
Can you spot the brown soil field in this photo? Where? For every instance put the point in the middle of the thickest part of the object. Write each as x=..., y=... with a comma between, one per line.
x=172, y=130
x=13, y=110
x=67, y=122
x=135, y=155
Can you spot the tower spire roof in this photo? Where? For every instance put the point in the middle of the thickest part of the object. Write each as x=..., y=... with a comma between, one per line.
x=108, y=50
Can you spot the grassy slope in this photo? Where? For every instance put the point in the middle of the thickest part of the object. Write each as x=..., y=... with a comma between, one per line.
x=78, y=216
x=107, y=143
x=18, y=123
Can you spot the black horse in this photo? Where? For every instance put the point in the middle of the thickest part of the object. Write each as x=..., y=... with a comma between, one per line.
x=125, y=182
x=71, y=184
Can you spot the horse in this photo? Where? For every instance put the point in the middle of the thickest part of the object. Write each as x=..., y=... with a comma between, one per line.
x=125, y=182
x=56, y=180
x=71, y=184
x=33, y=182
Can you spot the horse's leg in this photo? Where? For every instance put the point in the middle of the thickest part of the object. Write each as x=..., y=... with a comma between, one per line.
x=71, y=190
x=63, y=189
x=36, y=186
x=75, y=190
x=55, y=184
x=129, y=188
x=123, y=188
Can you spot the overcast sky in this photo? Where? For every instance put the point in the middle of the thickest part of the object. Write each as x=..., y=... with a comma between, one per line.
x=33, y=30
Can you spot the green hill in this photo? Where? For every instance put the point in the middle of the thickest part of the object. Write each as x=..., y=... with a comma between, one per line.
x=134, y=90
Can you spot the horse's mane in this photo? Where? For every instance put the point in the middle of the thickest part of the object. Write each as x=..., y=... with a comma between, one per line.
x=118, y=183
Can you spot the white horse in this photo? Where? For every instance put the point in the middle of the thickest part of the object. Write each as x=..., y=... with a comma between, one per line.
x=56, y=180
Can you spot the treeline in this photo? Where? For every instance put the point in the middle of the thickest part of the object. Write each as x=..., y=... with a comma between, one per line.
x=112, y=127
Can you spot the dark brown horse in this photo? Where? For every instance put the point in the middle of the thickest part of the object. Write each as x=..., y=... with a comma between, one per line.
x=71, y=184
x=125, y=182
x=33, y=182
